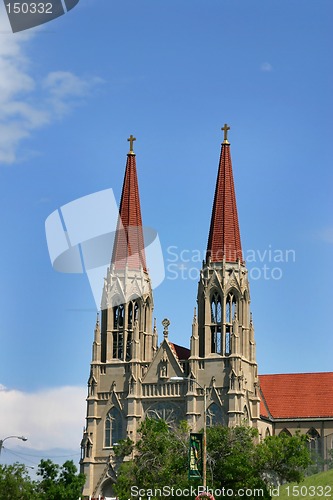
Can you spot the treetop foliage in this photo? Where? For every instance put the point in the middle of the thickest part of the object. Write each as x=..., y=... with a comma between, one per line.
x=235, y=459
x=56, y=482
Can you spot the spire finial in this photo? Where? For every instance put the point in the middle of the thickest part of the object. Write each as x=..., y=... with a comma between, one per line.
x=131, y=139
x=166, y=324
x=225, y=130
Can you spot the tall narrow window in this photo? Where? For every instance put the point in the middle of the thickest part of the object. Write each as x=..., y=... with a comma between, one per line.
x=129, y=346
x=314, y=442
x=118, y=344
x=216, y=320
x=104, y=321
x=130, y=315
x=227, y=339
x=113, y=430
x=246, y=415
x=230, y=311
x=136, y=311
x=118, y=334
x=118, y=316
x=147, y=315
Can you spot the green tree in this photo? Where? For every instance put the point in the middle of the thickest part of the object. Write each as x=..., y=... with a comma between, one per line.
x=232, y=462
x=59, y=482
x=161, y=459
x=283, y=458
x=15, y=483
x=235, y=460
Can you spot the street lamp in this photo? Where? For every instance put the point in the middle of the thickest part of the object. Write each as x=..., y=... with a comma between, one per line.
x=204, y=444
x=9, y=437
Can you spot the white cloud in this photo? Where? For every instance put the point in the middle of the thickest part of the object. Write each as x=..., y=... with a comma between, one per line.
x=65, y=89
x=266, y=67
x=27, y=104
x=51, y=418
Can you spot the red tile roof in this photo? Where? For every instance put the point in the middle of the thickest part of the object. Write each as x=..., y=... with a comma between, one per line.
x=182, y=353
x=129, y=243
x=297, y=395
x=224, y=235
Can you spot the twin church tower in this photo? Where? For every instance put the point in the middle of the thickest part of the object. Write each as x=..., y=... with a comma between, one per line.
x=133, y=376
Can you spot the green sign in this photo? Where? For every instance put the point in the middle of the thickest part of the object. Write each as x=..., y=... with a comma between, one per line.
x=195, y=456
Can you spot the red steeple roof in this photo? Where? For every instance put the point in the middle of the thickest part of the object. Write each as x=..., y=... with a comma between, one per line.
x=224, y=236
x=129, y=243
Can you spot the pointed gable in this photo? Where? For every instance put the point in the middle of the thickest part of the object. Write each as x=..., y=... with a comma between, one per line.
x=166, y=355
x=129, y=242
x=224, y=235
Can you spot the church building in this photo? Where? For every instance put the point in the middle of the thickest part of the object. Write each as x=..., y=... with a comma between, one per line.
x=133, y=375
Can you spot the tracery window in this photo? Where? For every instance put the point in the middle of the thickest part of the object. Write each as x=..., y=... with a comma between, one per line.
x=246, y=415
x=113, y=430
x=230, y=311
x=118, y=335
x=164, y=411
x=214, y=415
x=314, y=441
x=216, y=320
x=118, y=316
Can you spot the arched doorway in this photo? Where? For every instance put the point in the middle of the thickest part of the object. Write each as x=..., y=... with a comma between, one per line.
x=107, y=490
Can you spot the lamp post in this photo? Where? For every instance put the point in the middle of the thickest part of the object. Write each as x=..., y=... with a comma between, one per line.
x=204, y=444
x=10, y=437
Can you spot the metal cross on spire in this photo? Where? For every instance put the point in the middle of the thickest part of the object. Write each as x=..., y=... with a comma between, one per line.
x=131, y=139
x=225, y=130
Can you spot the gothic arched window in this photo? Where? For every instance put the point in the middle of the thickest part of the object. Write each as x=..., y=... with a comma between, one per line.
x=314, y=441
x=113, y=430
x=88, y=449
x=230, y=311
x=216, y=321
x=164, y=411
x=147, y=316
x=214, y=415
x=118, y=334
x=285, y=431
x=216, y=309
x=230, y=308
x=118, y=316
x=246, y=415
x=130, y=315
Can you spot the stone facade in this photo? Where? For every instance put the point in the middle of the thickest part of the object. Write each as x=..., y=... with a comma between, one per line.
x=132, y=377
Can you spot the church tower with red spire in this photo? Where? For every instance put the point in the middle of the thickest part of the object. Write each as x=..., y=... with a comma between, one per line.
x=223, y=353
x=125, y=343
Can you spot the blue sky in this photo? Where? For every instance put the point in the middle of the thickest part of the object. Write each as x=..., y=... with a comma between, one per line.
x=172, y=74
